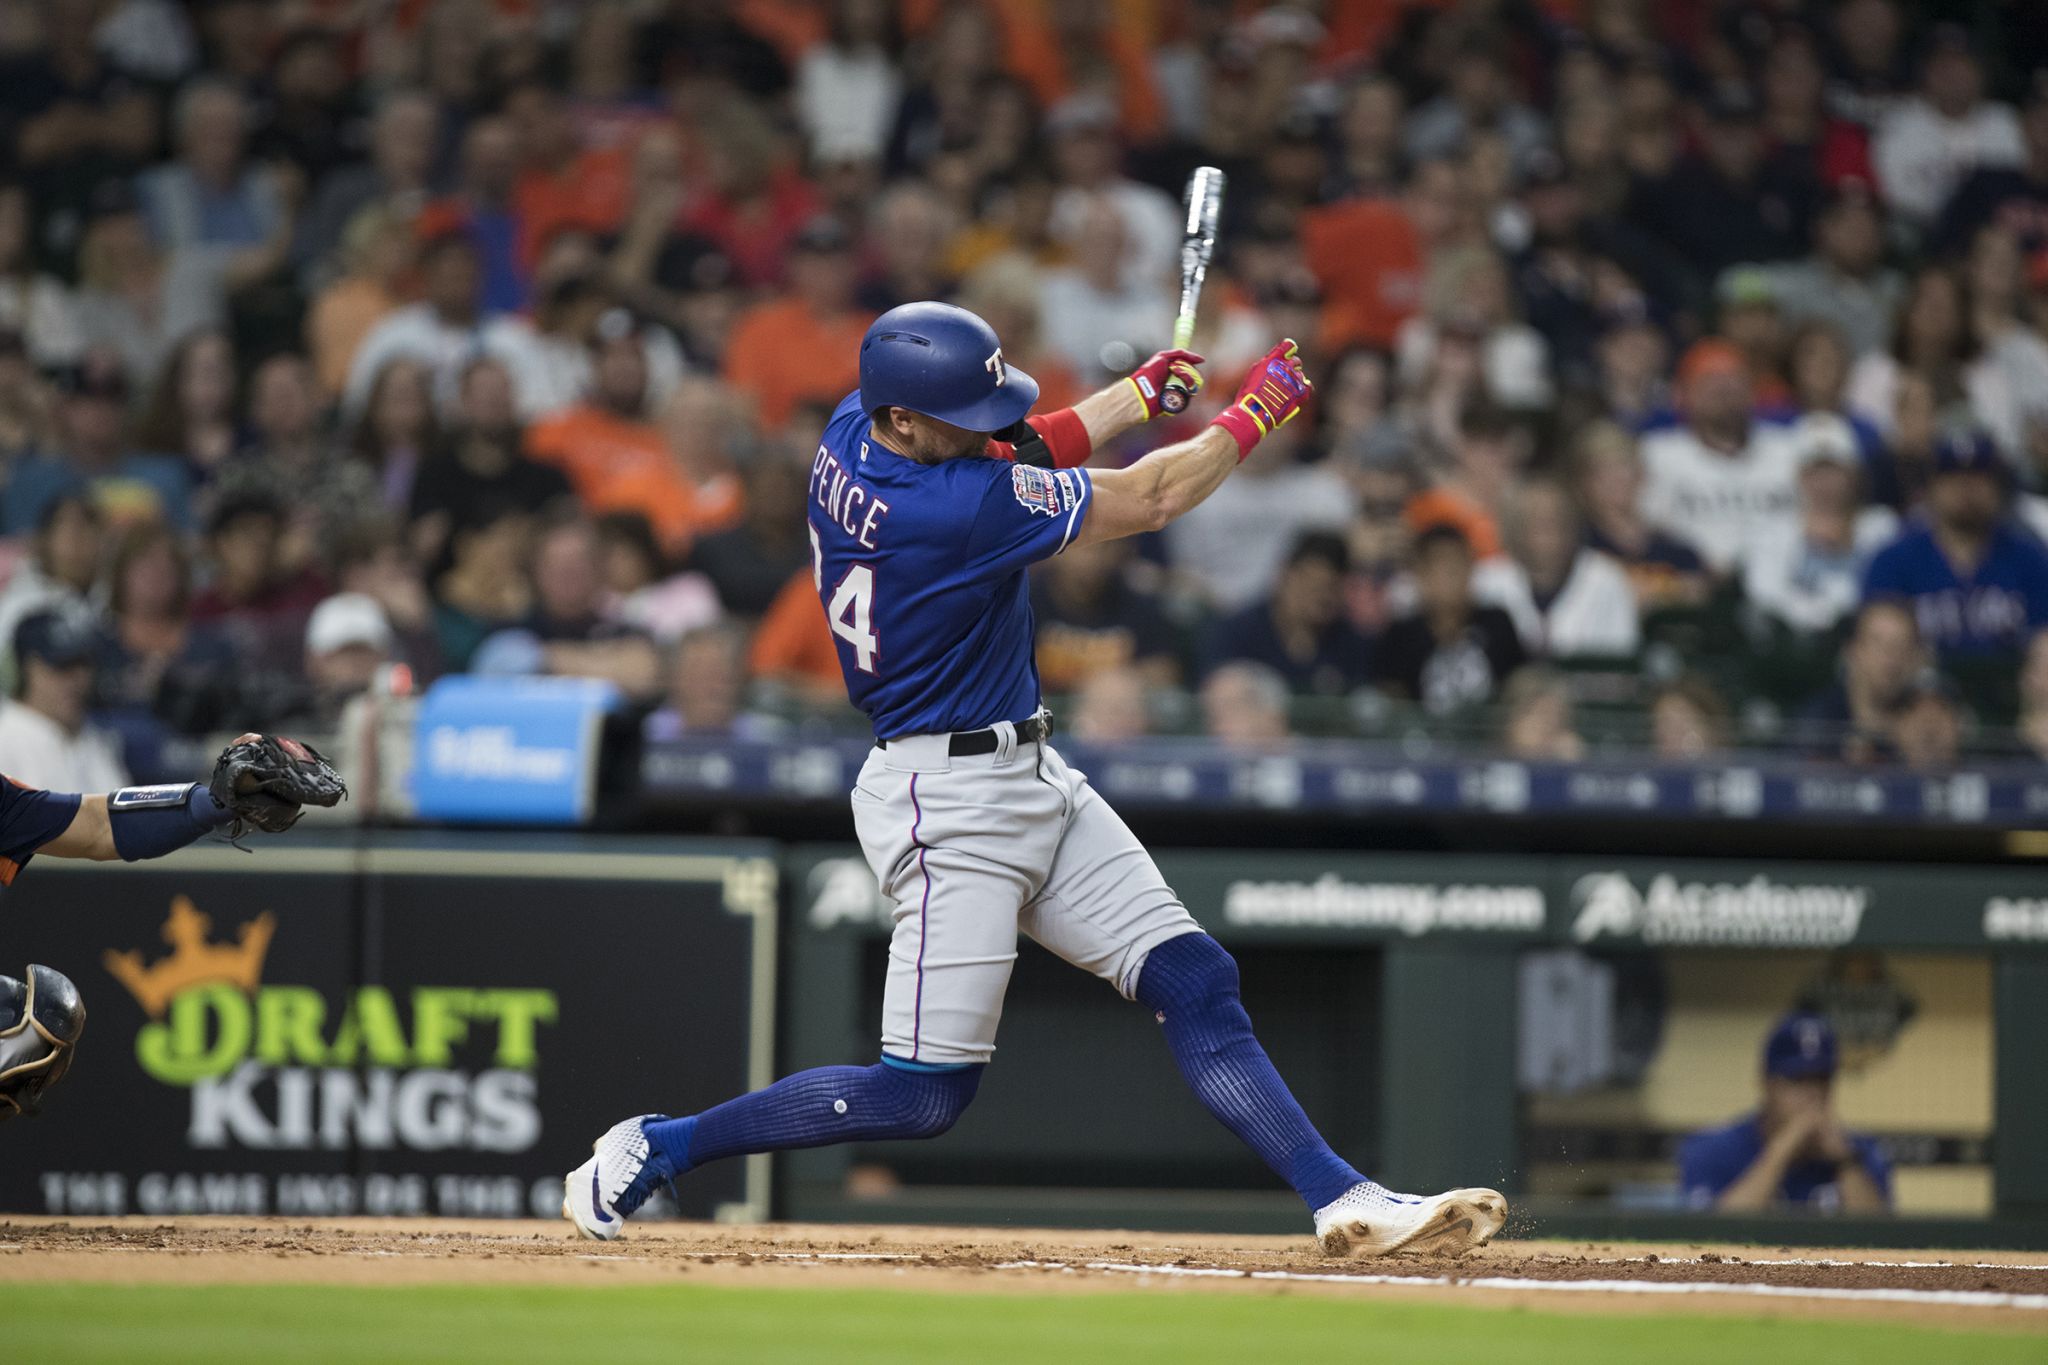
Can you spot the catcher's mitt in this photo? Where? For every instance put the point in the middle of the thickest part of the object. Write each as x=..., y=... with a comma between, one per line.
x=267, y=780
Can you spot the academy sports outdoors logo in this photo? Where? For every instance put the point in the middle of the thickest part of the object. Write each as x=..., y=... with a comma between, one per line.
x=1758, y=912
x=282, y=1067
x=1412, y=908
x=1046, y=491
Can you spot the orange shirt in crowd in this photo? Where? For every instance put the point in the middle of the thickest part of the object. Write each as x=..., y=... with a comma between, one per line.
x=342, y=315
x=1447, y=507
x=783, y=354
x=590, y=193
x=1368, y=258
x=793, y=643
x=616, y=465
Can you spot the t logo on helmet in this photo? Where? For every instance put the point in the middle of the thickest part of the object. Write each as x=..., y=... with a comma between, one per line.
x=994, y=365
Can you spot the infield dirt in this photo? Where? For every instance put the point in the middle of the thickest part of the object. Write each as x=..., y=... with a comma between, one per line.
x=2002, y=1291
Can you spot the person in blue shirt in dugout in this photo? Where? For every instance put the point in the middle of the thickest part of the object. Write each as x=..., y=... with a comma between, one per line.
x=1794, y=1151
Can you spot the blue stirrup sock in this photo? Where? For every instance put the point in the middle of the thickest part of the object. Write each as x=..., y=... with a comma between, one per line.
x=818, y=1108
x=1191, y=984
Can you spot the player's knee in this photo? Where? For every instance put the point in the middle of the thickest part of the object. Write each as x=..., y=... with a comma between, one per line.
x=932, y=1101
x=1192, y=970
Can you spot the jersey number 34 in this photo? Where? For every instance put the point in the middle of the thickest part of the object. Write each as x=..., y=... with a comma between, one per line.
x=850, y=611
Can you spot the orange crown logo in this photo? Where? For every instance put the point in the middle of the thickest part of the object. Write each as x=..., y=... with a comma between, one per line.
x=193, y=960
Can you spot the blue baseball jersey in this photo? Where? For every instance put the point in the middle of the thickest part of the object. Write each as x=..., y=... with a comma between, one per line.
x=1995, y=611
x=1710, y=1162
x=28, y=820
x=921, y=570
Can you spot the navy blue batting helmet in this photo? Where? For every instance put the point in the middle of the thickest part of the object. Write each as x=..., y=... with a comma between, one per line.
x=946, y=363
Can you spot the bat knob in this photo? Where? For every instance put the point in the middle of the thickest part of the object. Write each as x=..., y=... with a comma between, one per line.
x=1173, y=398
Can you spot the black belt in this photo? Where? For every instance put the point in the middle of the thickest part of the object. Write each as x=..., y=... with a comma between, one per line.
x=968, y=743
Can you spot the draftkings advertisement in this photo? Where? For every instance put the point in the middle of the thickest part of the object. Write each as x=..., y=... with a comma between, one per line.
x=338, y=1042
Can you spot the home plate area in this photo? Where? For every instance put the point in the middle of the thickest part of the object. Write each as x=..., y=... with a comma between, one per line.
x=1998, y=1291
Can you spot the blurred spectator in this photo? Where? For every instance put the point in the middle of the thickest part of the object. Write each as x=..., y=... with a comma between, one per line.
x=1110, y=706
x=253, y=597
x=134, y=299
x=1793, y=1150
x=1688, y=720
x=1087, y=153
x=62, y=570
x=1478, y=95
x=288, y=455
x=447, y=328
x=1725, y=204
x=1748, y=318
x=1977, y=584
x=34, y=306
x=27, y=405
x=1092, y=615
x=1928, y=143
x=1927, y=726
x=1567, y=599
x=375, y=262
x=1817, y=362
x=1244, y=706
x=749, y=563
x=1810, y=577
x=43, y=729
x=192, y=414
x=805, y=346
x=706, y=691
x=1467, y=294
x=1370, y=159
x=1300, y=631
x=847, y=86
x=1537, y=724
x=562, y=185
x=484, y=211
x=309, y=121
x=212, y=196
x=1845, y=281
x=793, y=646
x=573, y=619
x=479, y=462
x=95, y=455
x=909, y=230
x=752, y=203
x=1450, y=653
x=1231, y=545
x=1663, y=570
x=1488, y=451
x=389, y=188
x=1852, y=719
x=1723, y=480
x=1378, y=539
x=152, y=658
x=1633, y=359
x=347, y=642
x=71, y=117
x=1101, y=315
x=397, y=431
x=372, y=560
x=606, y=445
x=1005, y=291
x=651, y=599
x=2002, y=193
x=483, y=587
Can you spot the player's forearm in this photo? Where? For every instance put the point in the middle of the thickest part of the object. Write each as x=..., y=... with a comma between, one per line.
x=1757, y=1188
x=1159, y=488
x=1860, y=1194
x=1111, y=411
x=89, y=835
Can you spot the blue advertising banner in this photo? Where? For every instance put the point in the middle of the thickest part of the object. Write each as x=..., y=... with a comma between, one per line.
x=509, y=750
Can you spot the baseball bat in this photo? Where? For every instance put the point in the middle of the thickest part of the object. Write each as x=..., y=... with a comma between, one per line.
x=1197, y=245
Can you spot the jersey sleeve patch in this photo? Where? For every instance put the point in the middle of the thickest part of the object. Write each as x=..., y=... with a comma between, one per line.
x=1042, y=490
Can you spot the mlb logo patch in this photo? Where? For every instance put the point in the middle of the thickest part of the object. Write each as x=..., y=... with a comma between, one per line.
x=1036, y=489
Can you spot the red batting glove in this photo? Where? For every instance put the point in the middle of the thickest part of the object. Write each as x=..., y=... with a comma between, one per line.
x=1149, y=379
x=1272, y=393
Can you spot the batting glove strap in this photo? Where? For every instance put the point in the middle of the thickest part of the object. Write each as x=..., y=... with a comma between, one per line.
x=1243, y=426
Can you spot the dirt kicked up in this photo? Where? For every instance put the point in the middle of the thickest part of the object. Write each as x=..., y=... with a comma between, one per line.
x=1995, y=1291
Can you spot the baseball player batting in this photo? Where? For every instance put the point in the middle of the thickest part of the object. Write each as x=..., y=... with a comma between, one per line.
x=930, y=496
x=260, y=782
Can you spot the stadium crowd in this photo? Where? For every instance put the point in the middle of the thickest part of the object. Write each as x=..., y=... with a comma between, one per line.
x=1681, y=364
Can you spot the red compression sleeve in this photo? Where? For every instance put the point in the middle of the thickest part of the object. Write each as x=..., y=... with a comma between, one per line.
x=1066, y=436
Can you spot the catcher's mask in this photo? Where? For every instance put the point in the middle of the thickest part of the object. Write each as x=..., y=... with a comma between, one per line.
x=40, y=1022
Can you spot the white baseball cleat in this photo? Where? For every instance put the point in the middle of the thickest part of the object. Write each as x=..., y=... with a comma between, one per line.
x=601, y=1194
x=1367, y=1220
